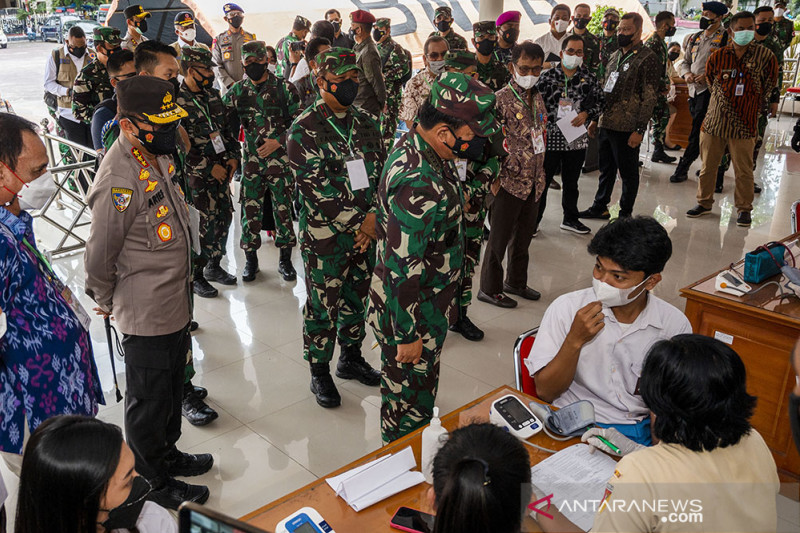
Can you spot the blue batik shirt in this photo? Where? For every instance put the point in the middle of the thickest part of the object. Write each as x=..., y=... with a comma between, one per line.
x=47, y=366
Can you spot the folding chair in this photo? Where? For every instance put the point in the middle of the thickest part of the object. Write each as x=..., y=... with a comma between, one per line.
x=795, y=216
x=522, y=347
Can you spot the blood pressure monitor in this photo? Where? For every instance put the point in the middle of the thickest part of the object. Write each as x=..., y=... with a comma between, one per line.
x=306, y=520
x=510, y=413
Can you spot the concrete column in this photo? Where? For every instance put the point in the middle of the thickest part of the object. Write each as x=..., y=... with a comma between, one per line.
x=490, y=9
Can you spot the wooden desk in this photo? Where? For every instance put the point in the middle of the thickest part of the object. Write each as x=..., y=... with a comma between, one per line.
x=763, y=330
x=678, y=132
x=376, y=518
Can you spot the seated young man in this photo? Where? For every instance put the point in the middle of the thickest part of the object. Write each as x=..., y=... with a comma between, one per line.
x=592, y=342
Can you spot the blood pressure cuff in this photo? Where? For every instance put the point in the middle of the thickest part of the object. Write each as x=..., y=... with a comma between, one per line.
x=571, y=420
x=764, y=262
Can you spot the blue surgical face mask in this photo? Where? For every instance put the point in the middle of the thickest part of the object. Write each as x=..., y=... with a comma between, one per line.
x=743, y=37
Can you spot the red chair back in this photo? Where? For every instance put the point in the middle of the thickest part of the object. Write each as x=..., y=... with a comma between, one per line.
x=795, y=216
x=522, y=348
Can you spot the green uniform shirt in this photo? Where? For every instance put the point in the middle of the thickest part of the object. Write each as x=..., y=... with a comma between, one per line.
x=454, y=40
x=784, y=31
x=591, y=52
x=493, y=73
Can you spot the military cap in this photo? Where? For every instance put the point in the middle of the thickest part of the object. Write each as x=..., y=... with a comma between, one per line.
x=301, y=22
x=184, y=18
x=718, y=8
x=362, y=17
x=383, y=22
x=460, y=59
x=257, y=49
x=337, y=61
x=481, y=29
x=149, y=97
x=443, y=10
x=610, y=11
x=227, y=8
x=107, y=35
x=136, y=11
x=508, y=16
x=459, y=96
x=196, y=55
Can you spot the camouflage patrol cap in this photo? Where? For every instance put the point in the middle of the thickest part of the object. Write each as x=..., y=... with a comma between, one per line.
x=481, y=29
x=301, y=22
x=383, y=22
x=337, y=61
x=107, y=35
x=464, y=98
x=257, y=49
x=196, y=55
x=443, y=10
x=460, y=59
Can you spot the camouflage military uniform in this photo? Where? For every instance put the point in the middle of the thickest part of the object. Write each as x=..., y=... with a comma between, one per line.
x=503, y=55
x=661, y=111
x=284, y=67
x=420, y=256
x=265, y=111
x=591, y=51
x=784, y=31
x=396, y=62
x=608, y=45
x=454, y=40
x=93, y=85
x=493, y=73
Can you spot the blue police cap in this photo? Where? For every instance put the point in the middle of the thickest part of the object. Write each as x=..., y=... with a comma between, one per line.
x=227, y=8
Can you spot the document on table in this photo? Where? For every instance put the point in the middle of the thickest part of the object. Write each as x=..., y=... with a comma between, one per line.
x=577, y=480
x=565, y=125
x=375, y=481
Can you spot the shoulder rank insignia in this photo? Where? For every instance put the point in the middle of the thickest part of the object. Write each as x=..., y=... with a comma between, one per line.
x=121, y=198
x=162, y=211
x=151, y=186
x=144, y=174
x=139, y=157
x=164, y=232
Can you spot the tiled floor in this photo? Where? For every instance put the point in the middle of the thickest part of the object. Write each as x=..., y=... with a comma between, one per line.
x=272, y=438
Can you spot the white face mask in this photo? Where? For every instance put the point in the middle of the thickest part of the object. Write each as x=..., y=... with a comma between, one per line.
x=561, y=25
x=526, y=82
x=437, y=67
x=612, y=296
x=571, y=62
x=271, y=68
x=189, y=35
x=37, y=193
x=779, y=12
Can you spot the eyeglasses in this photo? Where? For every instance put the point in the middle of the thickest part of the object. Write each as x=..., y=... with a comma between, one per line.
x=573, y=52
x=528, y=71
x=435, y=56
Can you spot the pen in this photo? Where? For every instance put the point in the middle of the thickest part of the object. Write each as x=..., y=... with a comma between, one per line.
x=607, y=443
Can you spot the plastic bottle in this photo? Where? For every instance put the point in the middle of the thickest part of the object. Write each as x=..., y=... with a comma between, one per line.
x=433, y=437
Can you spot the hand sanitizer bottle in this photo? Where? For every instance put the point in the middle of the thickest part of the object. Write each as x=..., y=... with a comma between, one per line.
x=433, y=437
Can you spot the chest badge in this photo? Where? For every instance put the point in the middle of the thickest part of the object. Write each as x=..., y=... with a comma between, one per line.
x=519, y=116
x=121, y=198
x=144, y=174
x=164, y=232
x=151, y=186
x=626, y=67
x=162, y=211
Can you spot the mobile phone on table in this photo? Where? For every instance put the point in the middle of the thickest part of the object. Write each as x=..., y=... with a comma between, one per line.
x=412, y=520
x=193, y=518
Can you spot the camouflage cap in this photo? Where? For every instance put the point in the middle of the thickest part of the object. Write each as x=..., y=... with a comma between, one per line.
x=337, y=61
x=464, y=98
x=460, y=59
x=257, y=49
x=196, y=55
x=443, y=10
x=107, y=35
x=383, y=22
x=481, y=29
x=301, y=22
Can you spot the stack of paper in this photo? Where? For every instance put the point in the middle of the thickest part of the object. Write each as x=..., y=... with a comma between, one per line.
x=370, y=483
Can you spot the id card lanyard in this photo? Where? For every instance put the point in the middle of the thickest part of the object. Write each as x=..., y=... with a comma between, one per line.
x=537, y=132
x=216, y=139
x=356, y=170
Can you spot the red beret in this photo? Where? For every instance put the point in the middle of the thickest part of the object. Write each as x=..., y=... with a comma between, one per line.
x=362, y=17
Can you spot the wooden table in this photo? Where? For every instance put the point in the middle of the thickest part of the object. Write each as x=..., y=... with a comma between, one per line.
x=680, y=128
x=343, y=518
x=762, y=329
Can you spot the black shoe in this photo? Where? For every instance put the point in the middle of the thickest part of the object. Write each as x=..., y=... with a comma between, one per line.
x=527, y=292
x=197, y=391
x=352, y=365
x=659, y=156
x=466, y=328
x=678, y=177
x=173, y=493
x=188, y=465
x=673, y=148
x=250, y=266
x=641, y=163
x=744, y=219
x=214, y=272
x=575, y=227
x=196, y=411
x=756, y=188
x=698, y=211
x=556, y=186
x=586, y=170
x=595, y=213
x=193, y=325
x=323, y=387
x=697, y=173
x=500, y=299
x=625, y=215
x=285, y=266
x=203, y=288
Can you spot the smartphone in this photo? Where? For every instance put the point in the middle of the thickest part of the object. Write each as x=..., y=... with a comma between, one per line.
x=193, y=518
x=407, y=519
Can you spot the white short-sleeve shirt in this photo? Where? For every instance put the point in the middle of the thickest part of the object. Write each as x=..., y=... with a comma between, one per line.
x=550, y=44
x=609, y=366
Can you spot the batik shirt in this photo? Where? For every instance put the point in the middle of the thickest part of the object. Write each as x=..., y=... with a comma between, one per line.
x=417, y=90
x=47, y=365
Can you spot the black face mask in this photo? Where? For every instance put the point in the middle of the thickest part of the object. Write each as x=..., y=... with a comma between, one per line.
x=111, y=51
x=511, y=36
x=142, y=25
x=705, y=22
x=794, y=418
x=236, y=22
x=671, y=31
x=485, y=47
x=764, y=28
x=204, y=81
x=378, y=35
x=176, y=86
x=77, y=51
x=337, y=27
x=624, y=40
x=345, y=91
x=161, y=142
x=610, y=25
x=472, y=149
x=255, y=71
x=443, y=25
x=673, y=55
x=127, y=514
x=581, y=23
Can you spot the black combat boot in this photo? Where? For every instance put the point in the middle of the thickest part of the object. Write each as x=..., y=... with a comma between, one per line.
x=466, y=328
x=202, y=287
x=194, y=409
x=214, y=272
x=660, y=156
x=323, y=387
x=285, y=266
x=353, y=366
x=250, y=266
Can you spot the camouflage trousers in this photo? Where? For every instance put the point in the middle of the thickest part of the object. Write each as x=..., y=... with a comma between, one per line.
x=336, y=306
x=408, y=392
x=255, y=185
x=660, y=120
x=473, y=234
x=216, y=214
x=389, y=120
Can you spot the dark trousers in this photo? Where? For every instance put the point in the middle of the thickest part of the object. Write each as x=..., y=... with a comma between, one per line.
x=512, y=221
x=77, y=132
x=616, y=155
x=570, y=162
x=698, y=107
x=154, y=374
x=591, y=161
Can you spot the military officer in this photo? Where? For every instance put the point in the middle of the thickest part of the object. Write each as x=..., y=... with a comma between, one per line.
x=265, y=106
x=336, y=153
x=186, y=31
x=136, y=20
x=581, y=18
x=420, y=243
x=507, y=34
x=300, y=30
x=93, y=84
x=608, y=39
x=372, y=88
x=783, y=28
x=765, y=37
x=137, y=269
x=396, y=62
x=443, y=20
x=657, y=43
x=226, y=50
x=210, y=162
x=490, y=70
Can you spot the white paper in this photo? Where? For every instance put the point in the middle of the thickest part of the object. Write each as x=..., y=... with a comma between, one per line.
x=194, y=228
x=571, y=133
x=461, y=166
x=575, y=475
x=357, y=173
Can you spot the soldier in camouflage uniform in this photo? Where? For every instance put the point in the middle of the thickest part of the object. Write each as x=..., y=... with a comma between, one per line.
x=93, y=85
x=490, y=70
x=420, y=247
x=608, y=39
x=300, y=29
x=212, y=159
x=665, y=27
x=396, y=62
x=443, y=20
x=337, y=222
x=591, y=43
x=783, y=28
x=265, y=106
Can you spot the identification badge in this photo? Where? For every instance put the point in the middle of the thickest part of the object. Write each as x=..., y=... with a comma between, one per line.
x=194, y=228
x=80, y=313
x=3, y=324
x=537, y=136
x=216, y=140
x=357, y=174
x=564, y=107
x=461, y=166
x=739, y=89
x=611, y=82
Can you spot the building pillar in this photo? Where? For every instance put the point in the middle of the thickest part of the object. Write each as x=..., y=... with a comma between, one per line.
x=490, y=9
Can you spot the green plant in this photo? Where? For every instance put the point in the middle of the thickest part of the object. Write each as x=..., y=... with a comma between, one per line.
x=596, y=24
